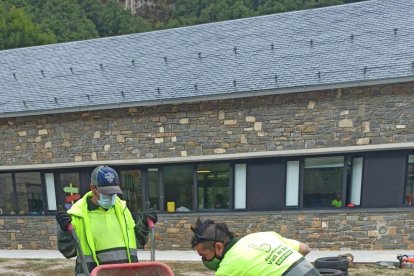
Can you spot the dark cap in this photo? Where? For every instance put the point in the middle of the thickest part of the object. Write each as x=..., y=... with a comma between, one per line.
x=106, y=180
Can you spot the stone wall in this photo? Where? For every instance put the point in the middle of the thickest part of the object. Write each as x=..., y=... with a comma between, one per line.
x=330, y=118
x=323, y=230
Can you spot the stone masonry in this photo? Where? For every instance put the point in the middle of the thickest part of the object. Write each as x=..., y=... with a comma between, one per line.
x=325, y=230
x=321, y=119
x=331, y=118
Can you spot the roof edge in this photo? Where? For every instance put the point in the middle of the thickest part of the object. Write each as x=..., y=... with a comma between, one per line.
x=245, y=94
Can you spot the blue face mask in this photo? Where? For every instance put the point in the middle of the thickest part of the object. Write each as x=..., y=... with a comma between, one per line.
x=106, y=201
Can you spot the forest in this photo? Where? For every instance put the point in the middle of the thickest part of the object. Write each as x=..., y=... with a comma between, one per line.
x=25, y=23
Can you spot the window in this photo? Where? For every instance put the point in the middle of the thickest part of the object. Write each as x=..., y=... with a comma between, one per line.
x=213, y=184
x=323, y=182
x=178, y=181
x=292, y=183
x=131, y=187
x=67, y=190
x=409, y=187
x=50, y=191
x=30, y=193
x=153, y=188
x=7, y=195
x=240, y=186
x=356, y=181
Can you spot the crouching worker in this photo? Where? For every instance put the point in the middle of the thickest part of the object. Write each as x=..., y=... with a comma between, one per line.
x=106, y=229
x=262, y=253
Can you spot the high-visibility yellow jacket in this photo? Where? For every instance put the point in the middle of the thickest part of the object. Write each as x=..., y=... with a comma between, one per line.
x=105, y=236
x=262, y=253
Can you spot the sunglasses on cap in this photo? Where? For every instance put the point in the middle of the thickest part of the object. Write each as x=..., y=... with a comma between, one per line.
x=197, y=239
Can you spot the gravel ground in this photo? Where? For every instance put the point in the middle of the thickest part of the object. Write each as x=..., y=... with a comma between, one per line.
x=62, y=267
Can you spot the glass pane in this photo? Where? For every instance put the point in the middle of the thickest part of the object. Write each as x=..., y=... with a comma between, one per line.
x=409, y=188
x=322, y=183
x=30, y=193
x=213, y=186
x=240, y=186
x=132, y=189
x=324, y=162
x=153, y=180
x=7, y=196
x=356, y=181
x=50, y=191
x=178, y=181
x=68, y=191
x=292, y=183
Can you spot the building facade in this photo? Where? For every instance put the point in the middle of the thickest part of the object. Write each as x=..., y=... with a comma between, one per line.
x=327, y=158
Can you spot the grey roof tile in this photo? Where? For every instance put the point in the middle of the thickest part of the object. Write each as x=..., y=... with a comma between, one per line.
x=311, y=48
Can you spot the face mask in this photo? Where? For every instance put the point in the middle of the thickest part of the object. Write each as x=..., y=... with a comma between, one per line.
x=212, y=264
x=106, y=201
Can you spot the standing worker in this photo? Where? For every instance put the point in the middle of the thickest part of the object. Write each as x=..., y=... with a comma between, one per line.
x=106, y=230
x=262, y=253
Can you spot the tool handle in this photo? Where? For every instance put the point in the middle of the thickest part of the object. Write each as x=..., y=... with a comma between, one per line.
x=78, y=249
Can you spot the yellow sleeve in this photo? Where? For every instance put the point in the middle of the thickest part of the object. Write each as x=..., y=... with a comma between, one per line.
x=292, y=243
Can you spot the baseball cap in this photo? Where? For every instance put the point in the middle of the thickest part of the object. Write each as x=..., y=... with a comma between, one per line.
x=106, y=180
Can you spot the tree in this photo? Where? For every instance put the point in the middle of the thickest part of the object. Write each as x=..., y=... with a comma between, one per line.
x=18, y=30
x=65, y=18
x=110, y=18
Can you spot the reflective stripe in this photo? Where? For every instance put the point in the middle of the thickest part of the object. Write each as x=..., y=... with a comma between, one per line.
x=134, y=255
x=112, y=256
x=133, y=252
x=79, y=268
x=116, y=256
x=86, y=258
x=303, y=267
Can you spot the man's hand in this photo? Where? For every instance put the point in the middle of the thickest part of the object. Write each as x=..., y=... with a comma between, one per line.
x=63, y=220
x=149, y=214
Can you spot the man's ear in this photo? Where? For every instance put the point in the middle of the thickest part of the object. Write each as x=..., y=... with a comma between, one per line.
x=219, y=247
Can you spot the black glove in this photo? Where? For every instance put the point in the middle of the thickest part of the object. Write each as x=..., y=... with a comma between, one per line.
x=63, y=219
x=149, y=214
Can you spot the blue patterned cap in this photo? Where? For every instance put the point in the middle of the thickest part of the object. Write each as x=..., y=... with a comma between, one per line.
x=106, y=180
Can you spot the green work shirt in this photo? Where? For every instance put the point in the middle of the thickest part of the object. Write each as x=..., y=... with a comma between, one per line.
x=263, y=253
x=104, y=224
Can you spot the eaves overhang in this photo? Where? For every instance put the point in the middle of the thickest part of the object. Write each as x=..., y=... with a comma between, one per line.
x=212, y=97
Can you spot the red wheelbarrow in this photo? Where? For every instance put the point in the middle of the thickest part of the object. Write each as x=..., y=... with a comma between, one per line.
x=126, y=269
x=133, y=269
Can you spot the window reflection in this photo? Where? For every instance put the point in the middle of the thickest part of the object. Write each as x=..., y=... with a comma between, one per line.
x=213, y=186
x=68, y=190
x=178, y=181
x=153, y=187
x=323, y=182
x=131, y=189
x=409, y=188
x=7, y=196
x=30, y=193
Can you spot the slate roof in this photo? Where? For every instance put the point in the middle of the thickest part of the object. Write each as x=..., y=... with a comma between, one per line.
x=337, y=46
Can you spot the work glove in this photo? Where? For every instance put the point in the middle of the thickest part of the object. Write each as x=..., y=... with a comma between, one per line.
x=63, y=220
x=149, y=214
